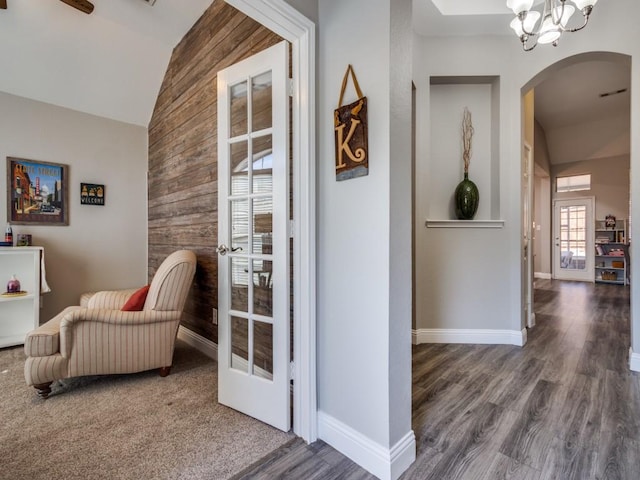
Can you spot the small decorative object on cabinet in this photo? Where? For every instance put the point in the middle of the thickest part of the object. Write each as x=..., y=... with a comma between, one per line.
x=467, y=196
x=19, y=310
x=23, y=240
x=13, y=285
x=612, y=251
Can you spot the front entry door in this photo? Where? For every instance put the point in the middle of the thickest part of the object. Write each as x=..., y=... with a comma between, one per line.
x=573, y=246
x=253, y=260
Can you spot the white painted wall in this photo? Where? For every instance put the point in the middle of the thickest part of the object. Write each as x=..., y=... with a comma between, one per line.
x=471, y=279
x=542, y=203
x=541, y=149
x=364, y=226
x=353, y=226
x=458, y=269
x=542, y=232
x=609, y=184
x=400, y=224
x=103, y=247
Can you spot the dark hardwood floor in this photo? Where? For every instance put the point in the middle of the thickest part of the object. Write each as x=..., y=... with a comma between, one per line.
x=563, y=407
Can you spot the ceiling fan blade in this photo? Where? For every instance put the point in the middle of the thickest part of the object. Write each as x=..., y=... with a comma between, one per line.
x=3, y=4
x=82, y=5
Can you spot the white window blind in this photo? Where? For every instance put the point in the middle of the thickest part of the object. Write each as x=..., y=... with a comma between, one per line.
x=573, y=183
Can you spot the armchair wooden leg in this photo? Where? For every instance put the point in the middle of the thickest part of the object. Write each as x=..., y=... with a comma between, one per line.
x=44, y=389
x=164, y=371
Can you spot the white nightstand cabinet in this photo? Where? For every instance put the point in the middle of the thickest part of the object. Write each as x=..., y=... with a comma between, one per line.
x=19, y=314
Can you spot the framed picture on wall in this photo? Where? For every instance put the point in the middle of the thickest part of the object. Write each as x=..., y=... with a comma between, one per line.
x=91, y=194
x=37, y=192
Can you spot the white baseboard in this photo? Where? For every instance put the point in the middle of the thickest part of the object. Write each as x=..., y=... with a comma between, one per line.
x=384, y=463
x=204, y=345
x=454, y=335
x=544, y=276
x=634, y=360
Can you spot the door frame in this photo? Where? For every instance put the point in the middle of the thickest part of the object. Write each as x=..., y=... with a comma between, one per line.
x=589, y=256
x=284, y=20
x=527, y=234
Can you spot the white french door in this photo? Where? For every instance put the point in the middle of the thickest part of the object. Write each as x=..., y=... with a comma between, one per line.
x=253, y=261
x=573, y=234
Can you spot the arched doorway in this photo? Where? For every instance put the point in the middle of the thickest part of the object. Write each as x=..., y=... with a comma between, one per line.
x=578, y=124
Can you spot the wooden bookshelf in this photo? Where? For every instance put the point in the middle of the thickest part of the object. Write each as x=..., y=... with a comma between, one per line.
x=611, y=253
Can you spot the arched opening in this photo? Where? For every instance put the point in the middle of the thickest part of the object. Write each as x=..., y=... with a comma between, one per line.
x=576, y=120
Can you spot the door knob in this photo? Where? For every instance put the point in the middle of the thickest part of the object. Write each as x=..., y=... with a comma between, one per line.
x=223, y=249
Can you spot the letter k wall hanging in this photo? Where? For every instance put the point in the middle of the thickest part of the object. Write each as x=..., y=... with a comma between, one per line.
x=350, y=125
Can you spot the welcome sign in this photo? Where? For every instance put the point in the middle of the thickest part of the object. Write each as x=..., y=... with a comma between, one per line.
x=91, y=194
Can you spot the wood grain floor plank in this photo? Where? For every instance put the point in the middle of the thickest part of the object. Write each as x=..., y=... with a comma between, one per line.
x=581, y=413
x=567, y=406
x=520, y=384
x=560, y=366
x=426, y=459
x=505, y=468
x=619, y=398
x=575, y=336
x=436, y=366
x=422, y=397
x=569, y=461
x=618, y=457
x=471, y=454
x=440, y=423
x=591, y=362
x=530, y=438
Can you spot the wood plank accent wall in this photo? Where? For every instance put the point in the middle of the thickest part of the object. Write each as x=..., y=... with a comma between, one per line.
x=183, y=211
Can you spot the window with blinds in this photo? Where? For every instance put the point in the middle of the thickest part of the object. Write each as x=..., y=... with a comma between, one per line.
x=573, y=183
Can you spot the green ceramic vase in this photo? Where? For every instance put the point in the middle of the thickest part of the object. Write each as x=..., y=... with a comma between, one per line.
x=467, y=198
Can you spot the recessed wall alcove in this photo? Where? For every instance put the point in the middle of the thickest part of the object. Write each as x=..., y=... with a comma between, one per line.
x=448, y=96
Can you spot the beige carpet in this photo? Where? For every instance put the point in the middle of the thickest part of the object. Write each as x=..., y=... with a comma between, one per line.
x=138, y=426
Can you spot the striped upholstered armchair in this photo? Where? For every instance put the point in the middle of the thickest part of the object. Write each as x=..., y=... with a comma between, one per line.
x=97, y=337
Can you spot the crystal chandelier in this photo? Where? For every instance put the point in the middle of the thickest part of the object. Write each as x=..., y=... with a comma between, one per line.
x=533, y=27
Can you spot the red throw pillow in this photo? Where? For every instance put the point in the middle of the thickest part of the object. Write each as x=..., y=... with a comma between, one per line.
x=136, y=301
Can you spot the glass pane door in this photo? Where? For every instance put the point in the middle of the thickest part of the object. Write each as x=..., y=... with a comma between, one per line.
x=573, y=237
x=253, y=266
x=573, y=249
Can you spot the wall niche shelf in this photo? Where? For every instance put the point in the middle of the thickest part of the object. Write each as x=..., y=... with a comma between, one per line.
x=448, y=97
x=464, y=223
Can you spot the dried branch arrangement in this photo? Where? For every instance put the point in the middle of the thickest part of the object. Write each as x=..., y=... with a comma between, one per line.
x=467, y=135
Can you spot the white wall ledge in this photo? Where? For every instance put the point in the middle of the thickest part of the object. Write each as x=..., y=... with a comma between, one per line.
x=464, y=223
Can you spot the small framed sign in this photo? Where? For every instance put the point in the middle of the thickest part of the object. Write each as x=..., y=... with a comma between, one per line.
x=91, y=194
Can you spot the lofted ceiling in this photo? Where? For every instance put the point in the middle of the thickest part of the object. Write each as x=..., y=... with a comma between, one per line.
x=585, y=111
x=109, y=63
